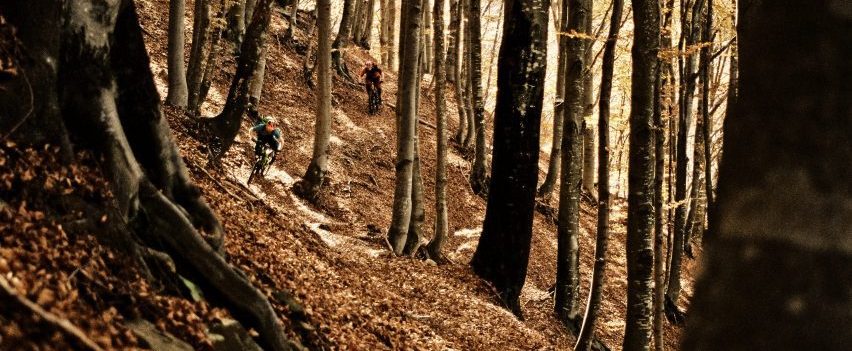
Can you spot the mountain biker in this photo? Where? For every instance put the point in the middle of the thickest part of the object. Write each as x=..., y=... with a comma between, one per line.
x=372, y=75
x=267, y=133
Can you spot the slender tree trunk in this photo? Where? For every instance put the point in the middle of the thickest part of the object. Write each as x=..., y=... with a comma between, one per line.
x=470, y=134
x=478, y=172
x=693, y=219
x=568, y=229
x=781, y=247
x=640, y=217
x=177, y=94
x=503, y=251
x=367, y=32
x=256, y=85
x=453, y=41
x=383, y=33
x=554, y=163
x=427, y=39
x=357, y=20
x=342, y=39
x=406, y=125
x=707, y=114
x=237, y=23
x=588, y=109
x=294, y=16
x=390, y=24
x=200, y=27
x=662, y=112
x=681, y=214
x=210, y=62
x=588, y=155
x=312, y=182
x=436, y=245
x=226, y=126
x=587, y=332
x=250, y=4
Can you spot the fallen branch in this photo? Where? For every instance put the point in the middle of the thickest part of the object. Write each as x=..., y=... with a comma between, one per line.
x=430, y=125
x=9, y=295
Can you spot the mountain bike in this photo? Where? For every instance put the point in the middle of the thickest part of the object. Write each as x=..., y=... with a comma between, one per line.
x=374, y=100
x=263, y=162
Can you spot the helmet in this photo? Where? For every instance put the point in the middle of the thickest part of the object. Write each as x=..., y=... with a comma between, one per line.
x=368, y=63
x=269, y=120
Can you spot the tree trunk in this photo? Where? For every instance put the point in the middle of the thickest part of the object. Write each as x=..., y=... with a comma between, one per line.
x=696, y=189
x=662, y=112
x=200, y=27
x=314, y=178
x=225, y=127
x=358, y=12
x=554, y=163
x=453, y=41
x=383, y=33
x=177, y=94
x=781, y=247
x=568, y=229
x=291, y=27
x=587, y=332
x=588, y=110
x=503, y=251
x=250, y=4
x=406, y=124
x=436, y=245
x=342, y=39
x=640, y=216
x=389, y=25
x=256, y=85
x=237, y=23
x=427, y=36
x=689, y=38
x=418, y=211
x=588, y=154
x=366, y=33
x=478, y=172
x=706, y=113
x=470, y=134
x=210, y=64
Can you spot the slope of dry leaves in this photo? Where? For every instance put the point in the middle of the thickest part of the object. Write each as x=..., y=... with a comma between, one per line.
x=330, y=255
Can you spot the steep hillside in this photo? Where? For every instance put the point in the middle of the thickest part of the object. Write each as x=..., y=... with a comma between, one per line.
x=332, y=256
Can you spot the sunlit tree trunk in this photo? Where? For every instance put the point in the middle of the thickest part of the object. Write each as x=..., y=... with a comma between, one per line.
x=342, y=39
x=778, y=268
x=706, y=113
x=453, y=41
x=640, y=216
x=436, y=245
x=256, y=86
x=554, y=163
x=366, y=33
x=200, y=27
x=588, y=110
x=587, y=332
x=312, y=182
x=503, y=251
x=177, y=94
x=406, y=124
x=478, y=172
x=568, y=229
x=237, y=23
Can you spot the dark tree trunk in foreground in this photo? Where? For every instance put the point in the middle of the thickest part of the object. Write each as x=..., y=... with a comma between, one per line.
x=554, y=163
x=110, y=104
x=640, y=216
x=406, y=125
x=226, y=126
x=587, y=332
x=779, y=266
x=503, y=251
x=177, y=94
x=568, y=229
x=478, y=171
x=312, y=182
x=436, y=246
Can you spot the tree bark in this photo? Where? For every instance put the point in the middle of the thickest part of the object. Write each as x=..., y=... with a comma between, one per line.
x=237, y=23
x=406, y=124
x=177, y=94
x=706, y=113
x=201, y=23
x=436, y=245
x=478, y=172
x=312, y=182
x=689, y=38
x=225, y=127
x=367, y=32
x=503, y=251
x=588, y=109
x=554, y=163
x=256, y=85
x=781, y=247
x=587, y=332
x=640, y=216
x=568, y=228
x=453, y=41
x=342, y=39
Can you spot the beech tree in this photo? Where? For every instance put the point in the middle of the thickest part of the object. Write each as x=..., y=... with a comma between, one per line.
x=503, y=251
x=780, y=246
x=554, y=163
x=566, y=297
x=342, y=39
x=436, y=245
x=194, y=74
x=177, y=93
x=310, y=185
x=403, y=202
x=640, y=198
x=478, y=171
x=97, y=88
x=587, y=331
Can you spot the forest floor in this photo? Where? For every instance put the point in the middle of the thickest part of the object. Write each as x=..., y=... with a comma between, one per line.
x=331, y=255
